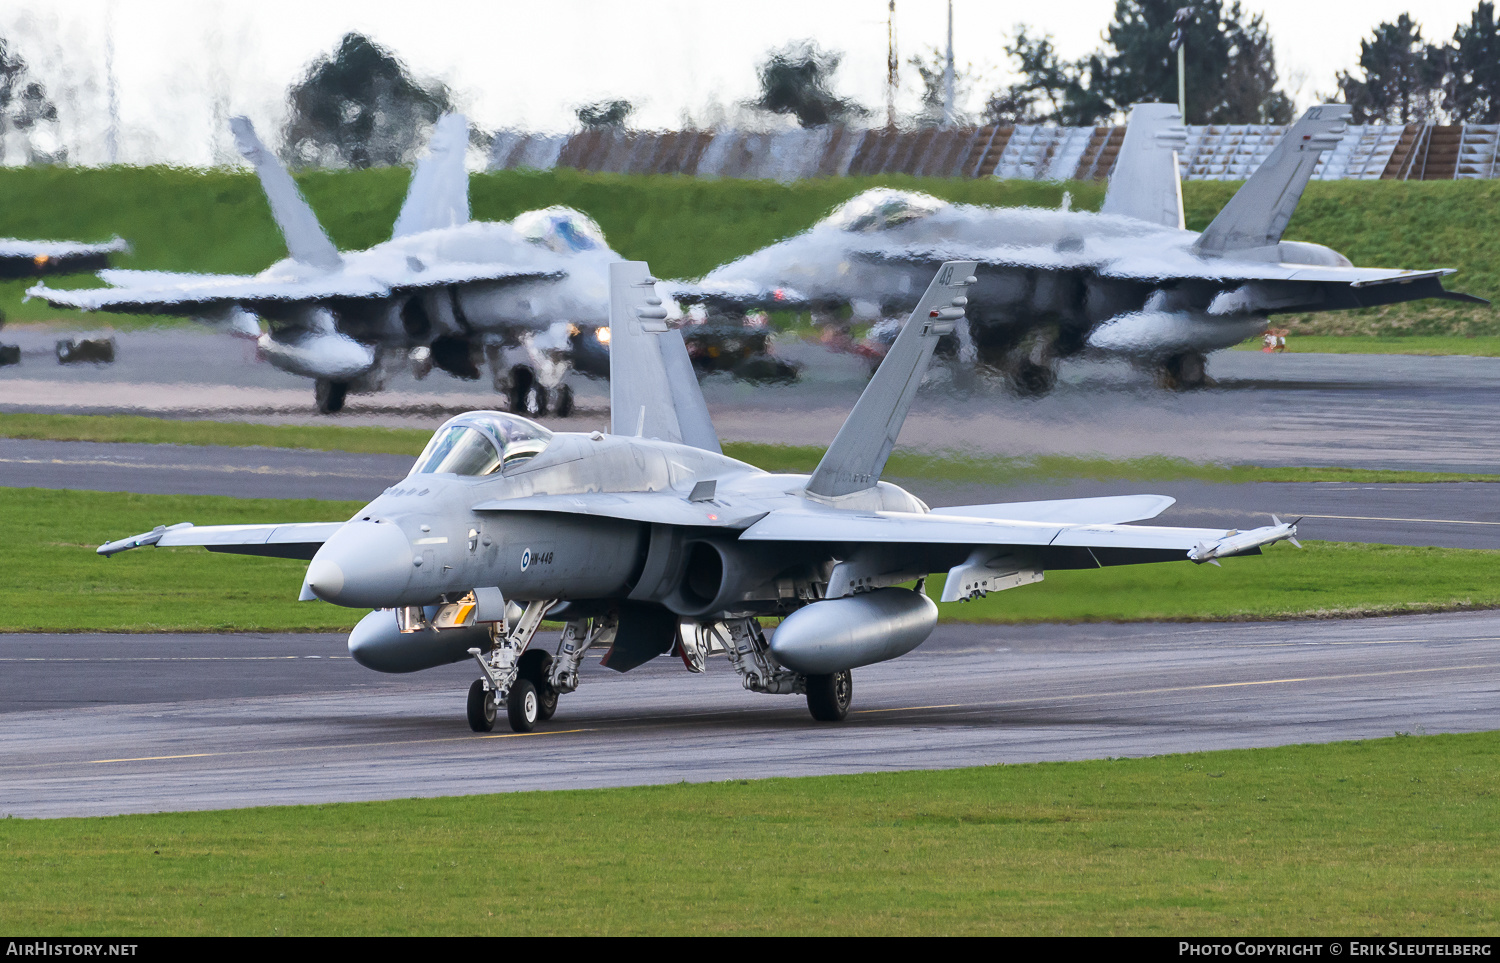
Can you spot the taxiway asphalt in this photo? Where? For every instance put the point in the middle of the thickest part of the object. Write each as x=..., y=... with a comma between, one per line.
x=119, y=724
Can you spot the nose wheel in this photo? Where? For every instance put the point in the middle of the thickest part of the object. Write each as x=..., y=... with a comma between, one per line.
x=481, y=707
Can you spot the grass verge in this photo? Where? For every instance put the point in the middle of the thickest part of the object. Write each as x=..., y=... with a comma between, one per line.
x=52, y=581
x=1392, y=836
x=947, y=467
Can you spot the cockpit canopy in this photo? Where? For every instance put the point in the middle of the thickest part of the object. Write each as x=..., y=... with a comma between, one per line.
x=480, y=443
x=560, y=229
x=882, y=209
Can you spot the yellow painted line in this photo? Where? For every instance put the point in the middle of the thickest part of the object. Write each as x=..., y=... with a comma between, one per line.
x=951, y=705
x=352, y=745
x=1381, y=518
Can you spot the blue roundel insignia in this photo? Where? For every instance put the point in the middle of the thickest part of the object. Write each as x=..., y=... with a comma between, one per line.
x=526, y=560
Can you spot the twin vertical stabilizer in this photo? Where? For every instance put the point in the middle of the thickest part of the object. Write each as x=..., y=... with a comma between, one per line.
x=305, y=239
x=858, y=454
x=1145, y=183
x=653, y=392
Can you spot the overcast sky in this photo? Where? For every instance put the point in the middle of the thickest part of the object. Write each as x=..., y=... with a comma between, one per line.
x=181, y=67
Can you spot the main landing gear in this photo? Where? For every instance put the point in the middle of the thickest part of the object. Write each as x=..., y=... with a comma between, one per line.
x=528, y=681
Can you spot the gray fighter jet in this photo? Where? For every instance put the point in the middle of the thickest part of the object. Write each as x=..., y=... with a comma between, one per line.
x=649, y=540
x=1128, y=282
x=444, y=291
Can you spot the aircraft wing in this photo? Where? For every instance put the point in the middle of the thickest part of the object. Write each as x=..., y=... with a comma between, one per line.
x=660, y=507
x=1110, y=544
x=296, y=540
x=20, y=258
x=1359, y=285
x=1107, y=510
x=186, y=294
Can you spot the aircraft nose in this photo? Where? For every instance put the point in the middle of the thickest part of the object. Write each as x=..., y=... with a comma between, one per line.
x=364, y=565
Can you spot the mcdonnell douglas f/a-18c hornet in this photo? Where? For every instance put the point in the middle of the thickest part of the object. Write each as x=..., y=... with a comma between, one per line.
x=649, y=540
x=1128, y=282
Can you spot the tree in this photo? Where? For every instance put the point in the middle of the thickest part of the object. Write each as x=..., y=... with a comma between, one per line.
x=933, y=69
x=605, y=113
x=23, y=105
x=1230, y=66
x=360, y=108
x=795, y=80
x=1048, y=86
x=1471, y=87
x=1402, y=76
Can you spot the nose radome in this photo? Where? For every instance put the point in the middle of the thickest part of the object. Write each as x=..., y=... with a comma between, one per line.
x=364, y=565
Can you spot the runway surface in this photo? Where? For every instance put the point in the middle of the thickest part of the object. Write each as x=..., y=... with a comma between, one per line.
x=102, y=725
x=1454, y=515
x=1391, y=411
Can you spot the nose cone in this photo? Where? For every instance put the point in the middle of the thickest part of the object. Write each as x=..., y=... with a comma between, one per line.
x=364, y=565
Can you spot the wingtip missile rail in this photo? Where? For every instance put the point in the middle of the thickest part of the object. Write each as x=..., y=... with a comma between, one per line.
x=138, y=541
x=1238, y=543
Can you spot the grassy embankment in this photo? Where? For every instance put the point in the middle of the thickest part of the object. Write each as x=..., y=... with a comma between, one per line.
x=1394, y=837
x=52, y=581
x=217, y=221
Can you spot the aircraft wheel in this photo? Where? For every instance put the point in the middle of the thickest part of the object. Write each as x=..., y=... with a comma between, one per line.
x=330, y=395
x=481, y=707
x=1032, y=380
x=524, y=706
x=537, y=403
x=1187, y=370
x=536, y=666
x=522, y=379
x=828, y=696
x=564, y=406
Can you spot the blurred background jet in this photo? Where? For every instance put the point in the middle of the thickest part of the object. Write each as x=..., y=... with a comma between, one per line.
x=444, y=292
x=1129, y=281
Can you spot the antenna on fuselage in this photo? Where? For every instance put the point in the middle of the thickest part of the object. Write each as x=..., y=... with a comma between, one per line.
x=859, y=452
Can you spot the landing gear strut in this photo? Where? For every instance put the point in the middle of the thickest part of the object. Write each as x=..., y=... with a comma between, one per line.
x=527, y=395
x=330, y=395
x=503, y=678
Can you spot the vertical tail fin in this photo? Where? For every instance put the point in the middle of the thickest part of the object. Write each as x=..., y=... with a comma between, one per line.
x=305, y=238
x=652, y=389
x=1146, y=184
x=1251, y=224
x=858, y=454
x=439, y=191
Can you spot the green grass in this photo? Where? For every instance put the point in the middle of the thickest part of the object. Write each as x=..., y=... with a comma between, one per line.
x=1395, y=837
x=51, y=580
x=1484, y=346
x=183, y=220
x=946, y=467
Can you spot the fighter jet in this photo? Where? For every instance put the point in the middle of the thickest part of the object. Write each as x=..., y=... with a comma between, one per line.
x=444, y=291
x=1128, y=282
x=29, y=259
x=648, y=540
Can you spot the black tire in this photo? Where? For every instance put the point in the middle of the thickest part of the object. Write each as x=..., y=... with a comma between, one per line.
x=523, y=706
x=481, y=707
x=828, y=696
x=538, y=405
x=564, y=406
x=536, y=666
x=522, y=378
x=1032, y=380
x=1187, y=371
x=330, y=395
